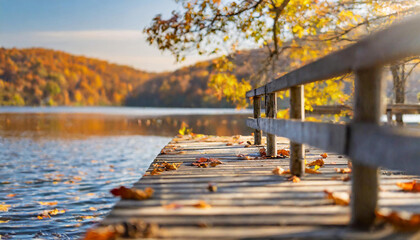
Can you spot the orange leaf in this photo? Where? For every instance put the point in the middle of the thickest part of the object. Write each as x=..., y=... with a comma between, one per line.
x=409, y=186
x=279, y=171
x=173, y=206
x=319, y=162
x=283, y=153
x=133, y=193
x=312, y=171
x=343, y=170
x=4, y=208
x=10, y=195
x=340, y=198
x=294, y=179
x=201, y=204
x=48, y=203
x=324, y=155
x=100, y=234
x=401, y=221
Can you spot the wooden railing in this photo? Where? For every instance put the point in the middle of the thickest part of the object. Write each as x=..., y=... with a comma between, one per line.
x=364, y=141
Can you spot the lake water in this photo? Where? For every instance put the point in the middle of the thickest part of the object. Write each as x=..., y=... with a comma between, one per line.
x=69, y=158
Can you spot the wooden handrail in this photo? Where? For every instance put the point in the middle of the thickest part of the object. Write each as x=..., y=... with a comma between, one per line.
x=368, y=145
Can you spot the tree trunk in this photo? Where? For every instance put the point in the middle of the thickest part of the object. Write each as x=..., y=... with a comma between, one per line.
x=399, y=79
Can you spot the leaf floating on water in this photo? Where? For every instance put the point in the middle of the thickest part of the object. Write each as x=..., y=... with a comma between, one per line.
x=93, y=209
x=412, y=186
x=403, y=221
x=201, y=204
x=133, y=193
x=340, y=198
x=4, y=208
x=10, y=195
x=343, y=170
x=319, y=162
x=204, y=162
x=324, y=155
x=4, y=221
x=48, y=203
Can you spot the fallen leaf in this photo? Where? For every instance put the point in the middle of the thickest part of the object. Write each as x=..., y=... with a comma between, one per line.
x=4, y=208
x=412, y=186
x=156, y=171
x=133, y=193
x=244, y=157
x=229, y=144
x=204, y=162
x=278, y=171
x=101, y=233
x=319, y=162
x=324, y=155
x=400, y=220
x=343, y=170
x=212, y=188
x=4, y=221
x=93, y=209
x=201, y=204
x=312, y=171
x=173, y=206
x=48, y=203
x=339, y=198
x=10, y=195
x=263, y=152
x=294, y=179
x=283, y=153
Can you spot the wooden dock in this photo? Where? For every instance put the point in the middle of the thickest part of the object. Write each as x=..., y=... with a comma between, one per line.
x=251, y=202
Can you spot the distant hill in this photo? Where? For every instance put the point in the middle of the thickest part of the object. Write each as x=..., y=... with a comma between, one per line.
x=39, y=76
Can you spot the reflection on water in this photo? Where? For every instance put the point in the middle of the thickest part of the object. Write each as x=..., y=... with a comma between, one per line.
x=66, y=125
x=71, y=161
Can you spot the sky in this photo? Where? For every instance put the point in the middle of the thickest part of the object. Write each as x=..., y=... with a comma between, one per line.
x=106, y=29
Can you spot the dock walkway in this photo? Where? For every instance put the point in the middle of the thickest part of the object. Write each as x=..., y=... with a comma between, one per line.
x=251, y=202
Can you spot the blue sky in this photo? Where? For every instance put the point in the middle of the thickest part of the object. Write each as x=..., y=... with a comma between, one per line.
x=105, y=29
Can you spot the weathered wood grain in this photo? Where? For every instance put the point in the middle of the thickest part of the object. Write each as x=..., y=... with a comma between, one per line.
x=252, y=202
x=257, y=114
x=297, y=112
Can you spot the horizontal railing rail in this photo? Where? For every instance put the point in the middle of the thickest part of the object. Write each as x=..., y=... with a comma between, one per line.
x=367, y=144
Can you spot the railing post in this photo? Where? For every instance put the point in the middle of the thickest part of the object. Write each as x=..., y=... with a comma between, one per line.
x=297, y=150
x=271, y=112
x=367, y=109
x=257, y=114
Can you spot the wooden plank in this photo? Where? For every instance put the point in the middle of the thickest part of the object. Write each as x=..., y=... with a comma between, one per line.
x=250, y=198
x=297, y=112
x=368, y=107
x=396, y=42
x=331, y=137
x=257, y=114
x=272, y=114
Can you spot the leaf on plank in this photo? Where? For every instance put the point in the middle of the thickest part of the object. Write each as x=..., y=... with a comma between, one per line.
x=412, y=186
x=201, y=204
x=402, y=221
x=339, y=198
x=324, y=155
x=294, y=179
x=133, y=193
x=343, y=170
x=319, y=162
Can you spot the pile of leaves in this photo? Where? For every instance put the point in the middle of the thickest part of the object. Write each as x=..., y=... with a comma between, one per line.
x=158, y=168
x=133, y=193
x=205, y=162
x=131, y=229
